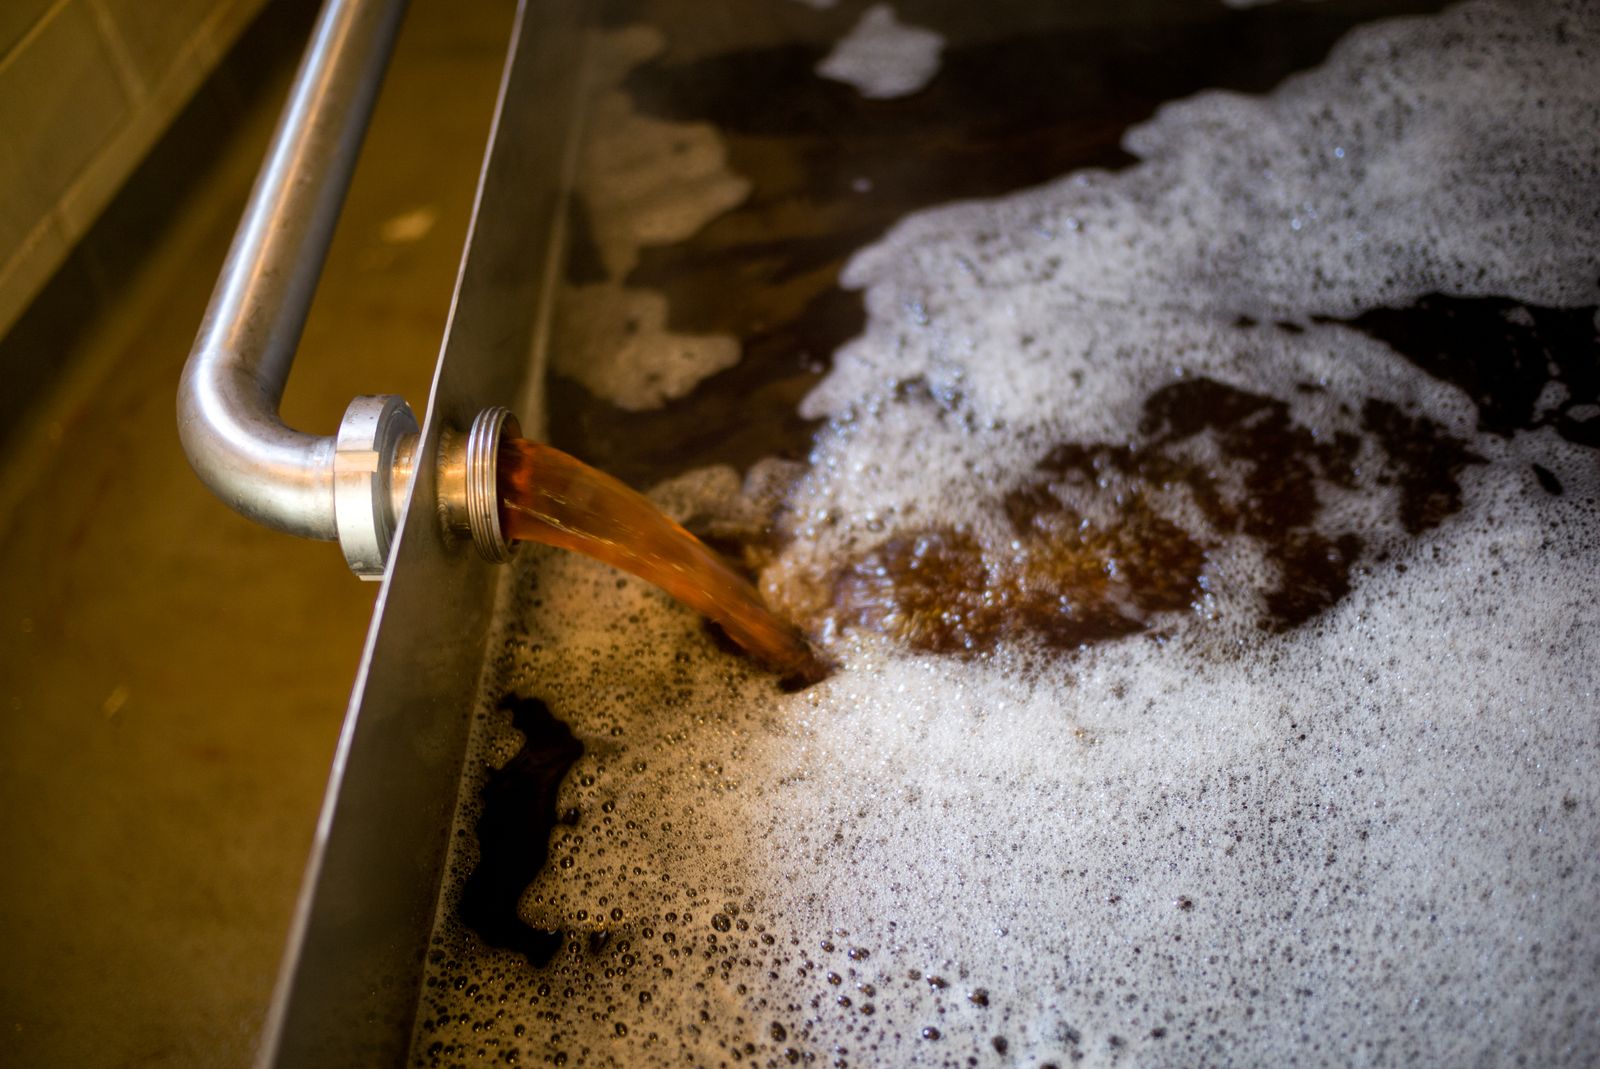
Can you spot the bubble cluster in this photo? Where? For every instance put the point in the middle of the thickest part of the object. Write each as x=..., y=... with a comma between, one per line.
x=1330, y=802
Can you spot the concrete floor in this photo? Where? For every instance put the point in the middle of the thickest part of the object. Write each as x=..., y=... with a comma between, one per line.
x=172, y=678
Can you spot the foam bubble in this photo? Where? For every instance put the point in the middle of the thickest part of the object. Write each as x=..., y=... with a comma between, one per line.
x=1366, y=835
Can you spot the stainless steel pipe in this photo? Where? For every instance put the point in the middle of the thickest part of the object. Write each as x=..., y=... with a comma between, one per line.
x=352, y=485
x=231, y=388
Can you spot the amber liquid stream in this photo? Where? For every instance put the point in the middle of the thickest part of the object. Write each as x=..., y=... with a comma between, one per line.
x=549, y=497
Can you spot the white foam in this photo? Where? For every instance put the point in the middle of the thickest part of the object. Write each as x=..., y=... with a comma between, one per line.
x=644, y=182
x=882, y=57
x=1408, y=163
x=615, y=340
x=1370, y=840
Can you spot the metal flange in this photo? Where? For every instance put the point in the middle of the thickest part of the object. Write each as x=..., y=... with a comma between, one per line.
x=468, y=477
x=376, y=436
x=483, y=491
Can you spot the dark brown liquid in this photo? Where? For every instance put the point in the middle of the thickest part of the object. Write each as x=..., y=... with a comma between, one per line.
x=519, y=809
x=1095, y=549
x=549, y=497
x=1063, y=581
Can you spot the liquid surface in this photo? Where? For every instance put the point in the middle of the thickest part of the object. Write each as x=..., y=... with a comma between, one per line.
x=513, y=831
x=1201, y=513
x=1025, y=92
x=1103, y=540
x=549, y=497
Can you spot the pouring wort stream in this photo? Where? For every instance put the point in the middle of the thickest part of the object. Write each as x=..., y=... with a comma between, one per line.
x=547, y=496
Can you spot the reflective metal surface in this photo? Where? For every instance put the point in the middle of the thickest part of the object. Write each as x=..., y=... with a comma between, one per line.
x=469, y=503
x=483, y=483
x=369, y=486
x=231, y=388
x=348, y=987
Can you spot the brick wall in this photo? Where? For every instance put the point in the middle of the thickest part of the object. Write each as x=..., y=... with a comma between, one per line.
x=86, y=88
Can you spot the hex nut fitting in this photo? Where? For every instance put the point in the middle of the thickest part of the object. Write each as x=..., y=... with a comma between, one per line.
x=374, y=431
